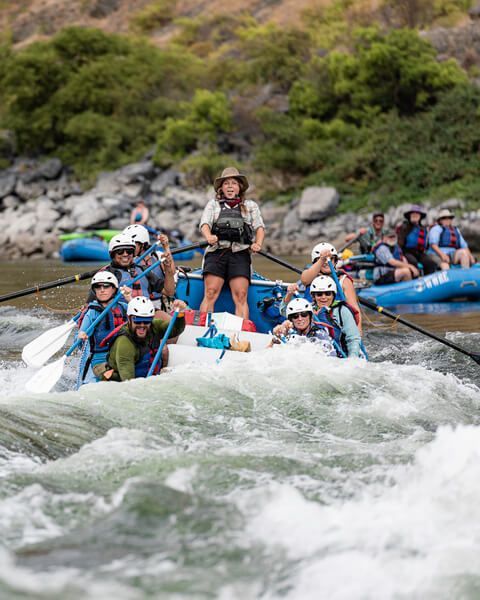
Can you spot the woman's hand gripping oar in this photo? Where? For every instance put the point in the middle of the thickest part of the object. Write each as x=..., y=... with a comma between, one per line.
x=383, y=311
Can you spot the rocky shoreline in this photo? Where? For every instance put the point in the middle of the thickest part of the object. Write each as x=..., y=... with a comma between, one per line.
x=40, y=200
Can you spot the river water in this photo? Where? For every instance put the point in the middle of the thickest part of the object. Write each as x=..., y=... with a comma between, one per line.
x=292, y=477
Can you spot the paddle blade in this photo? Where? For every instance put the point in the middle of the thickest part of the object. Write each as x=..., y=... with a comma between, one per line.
x=38, y=351
x=476, y=357
x=44, y=380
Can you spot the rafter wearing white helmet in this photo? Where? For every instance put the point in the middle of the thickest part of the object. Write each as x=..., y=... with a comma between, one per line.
x=323, y=283
x=323, y=247
x=141, y=307
x=298, y=305
x=138, y=233
x=120, y=241
x=104, y=277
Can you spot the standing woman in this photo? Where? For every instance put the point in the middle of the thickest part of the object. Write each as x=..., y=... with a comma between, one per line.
x=233, y=228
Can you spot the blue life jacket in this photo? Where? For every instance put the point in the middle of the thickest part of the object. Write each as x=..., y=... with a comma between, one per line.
x=449, y=238
x=147, y=351
x=116, y=317
x=324, y=318
x=416, y=239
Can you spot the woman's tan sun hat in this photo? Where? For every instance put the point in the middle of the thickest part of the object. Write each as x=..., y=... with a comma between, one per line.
x=228, y=173
x=445, y=214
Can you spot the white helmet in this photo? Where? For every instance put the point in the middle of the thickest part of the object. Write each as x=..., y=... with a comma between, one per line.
x=104, y=277
x=298, y=305
x=323, y=247
x=120, y=241
x=140, y=307
x=138, y=233
x=323, y=283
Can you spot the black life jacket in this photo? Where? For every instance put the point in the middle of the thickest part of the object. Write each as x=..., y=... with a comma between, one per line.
x=231, y=226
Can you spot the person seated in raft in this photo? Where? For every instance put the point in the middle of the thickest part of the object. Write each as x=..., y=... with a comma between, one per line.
x=321, y=254
x=412, y=239
x=104, y=286
x=135, y=344
x=233, y=228
x=165, y=271
x=446, y=244
x=391, y=265
x=337, y=315
x=300, y=326
x=140, y=213
x=122, y=253
x=371, y=235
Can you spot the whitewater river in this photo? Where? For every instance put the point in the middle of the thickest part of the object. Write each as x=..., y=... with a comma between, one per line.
x=289, y=477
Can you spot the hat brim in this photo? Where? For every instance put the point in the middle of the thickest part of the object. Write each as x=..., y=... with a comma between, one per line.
x=450, y=216
x=242, y=180
x=409, y=212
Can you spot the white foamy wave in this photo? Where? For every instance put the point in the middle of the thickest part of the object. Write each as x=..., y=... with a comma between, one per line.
x=411, y=538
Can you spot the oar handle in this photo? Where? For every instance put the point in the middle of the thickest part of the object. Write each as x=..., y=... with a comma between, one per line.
x=162, y=344
x=333, y=272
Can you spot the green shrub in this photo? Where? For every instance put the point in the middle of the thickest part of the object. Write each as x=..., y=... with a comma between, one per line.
x=155, y=15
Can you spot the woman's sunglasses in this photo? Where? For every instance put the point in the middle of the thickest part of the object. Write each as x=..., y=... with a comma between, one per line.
x=322, y=293
x=142, y=320
x=129, y=251
x=302, y=314
x=102, y=286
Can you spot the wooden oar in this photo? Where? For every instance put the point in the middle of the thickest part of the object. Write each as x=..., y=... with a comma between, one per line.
x=81, y=276
x=383, y=311
x=162, y=344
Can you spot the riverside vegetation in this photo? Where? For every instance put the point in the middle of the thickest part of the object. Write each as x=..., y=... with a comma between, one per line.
x=368, y=110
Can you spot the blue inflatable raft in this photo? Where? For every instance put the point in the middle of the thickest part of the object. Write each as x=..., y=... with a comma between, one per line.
x=96, y=250
x=442, y=286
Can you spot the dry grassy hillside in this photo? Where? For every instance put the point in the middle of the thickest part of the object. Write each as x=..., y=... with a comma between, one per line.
x=27, y=20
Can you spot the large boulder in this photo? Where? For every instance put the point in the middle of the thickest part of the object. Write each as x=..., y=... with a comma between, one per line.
x=291, y=223
x=7, y=183
x=317, y=203
x=164, y=180
x=88, y=211
x=29, y=191
x=135, y=172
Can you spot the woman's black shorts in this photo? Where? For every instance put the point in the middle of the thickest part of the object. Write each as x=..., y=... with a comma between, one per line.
x=389, y=277
x=227, y=264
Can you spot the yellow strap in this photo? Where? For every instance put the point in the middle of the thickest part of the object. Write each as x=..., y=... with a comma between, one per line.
x=380, y=309
x=77, y=278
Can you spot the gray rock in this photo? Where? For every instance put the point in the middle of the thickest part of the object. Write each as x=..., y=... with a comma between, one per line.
x=292, y=223
x=50, y=169
x=114, y=205
x=108, y=184
x=273, y=213
x=118, y=223
x=11, y=202
x=452, y=203
x=102, y=8
x=22, y=224
x=7, y=183
x=167, y=219
x=317, y=203
x=133, y=191
x=26, y=243
x=135, y=172
x=88, y=211
x=314, y=230
x=65, y=224
x=29, y=191
x=166, y=179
